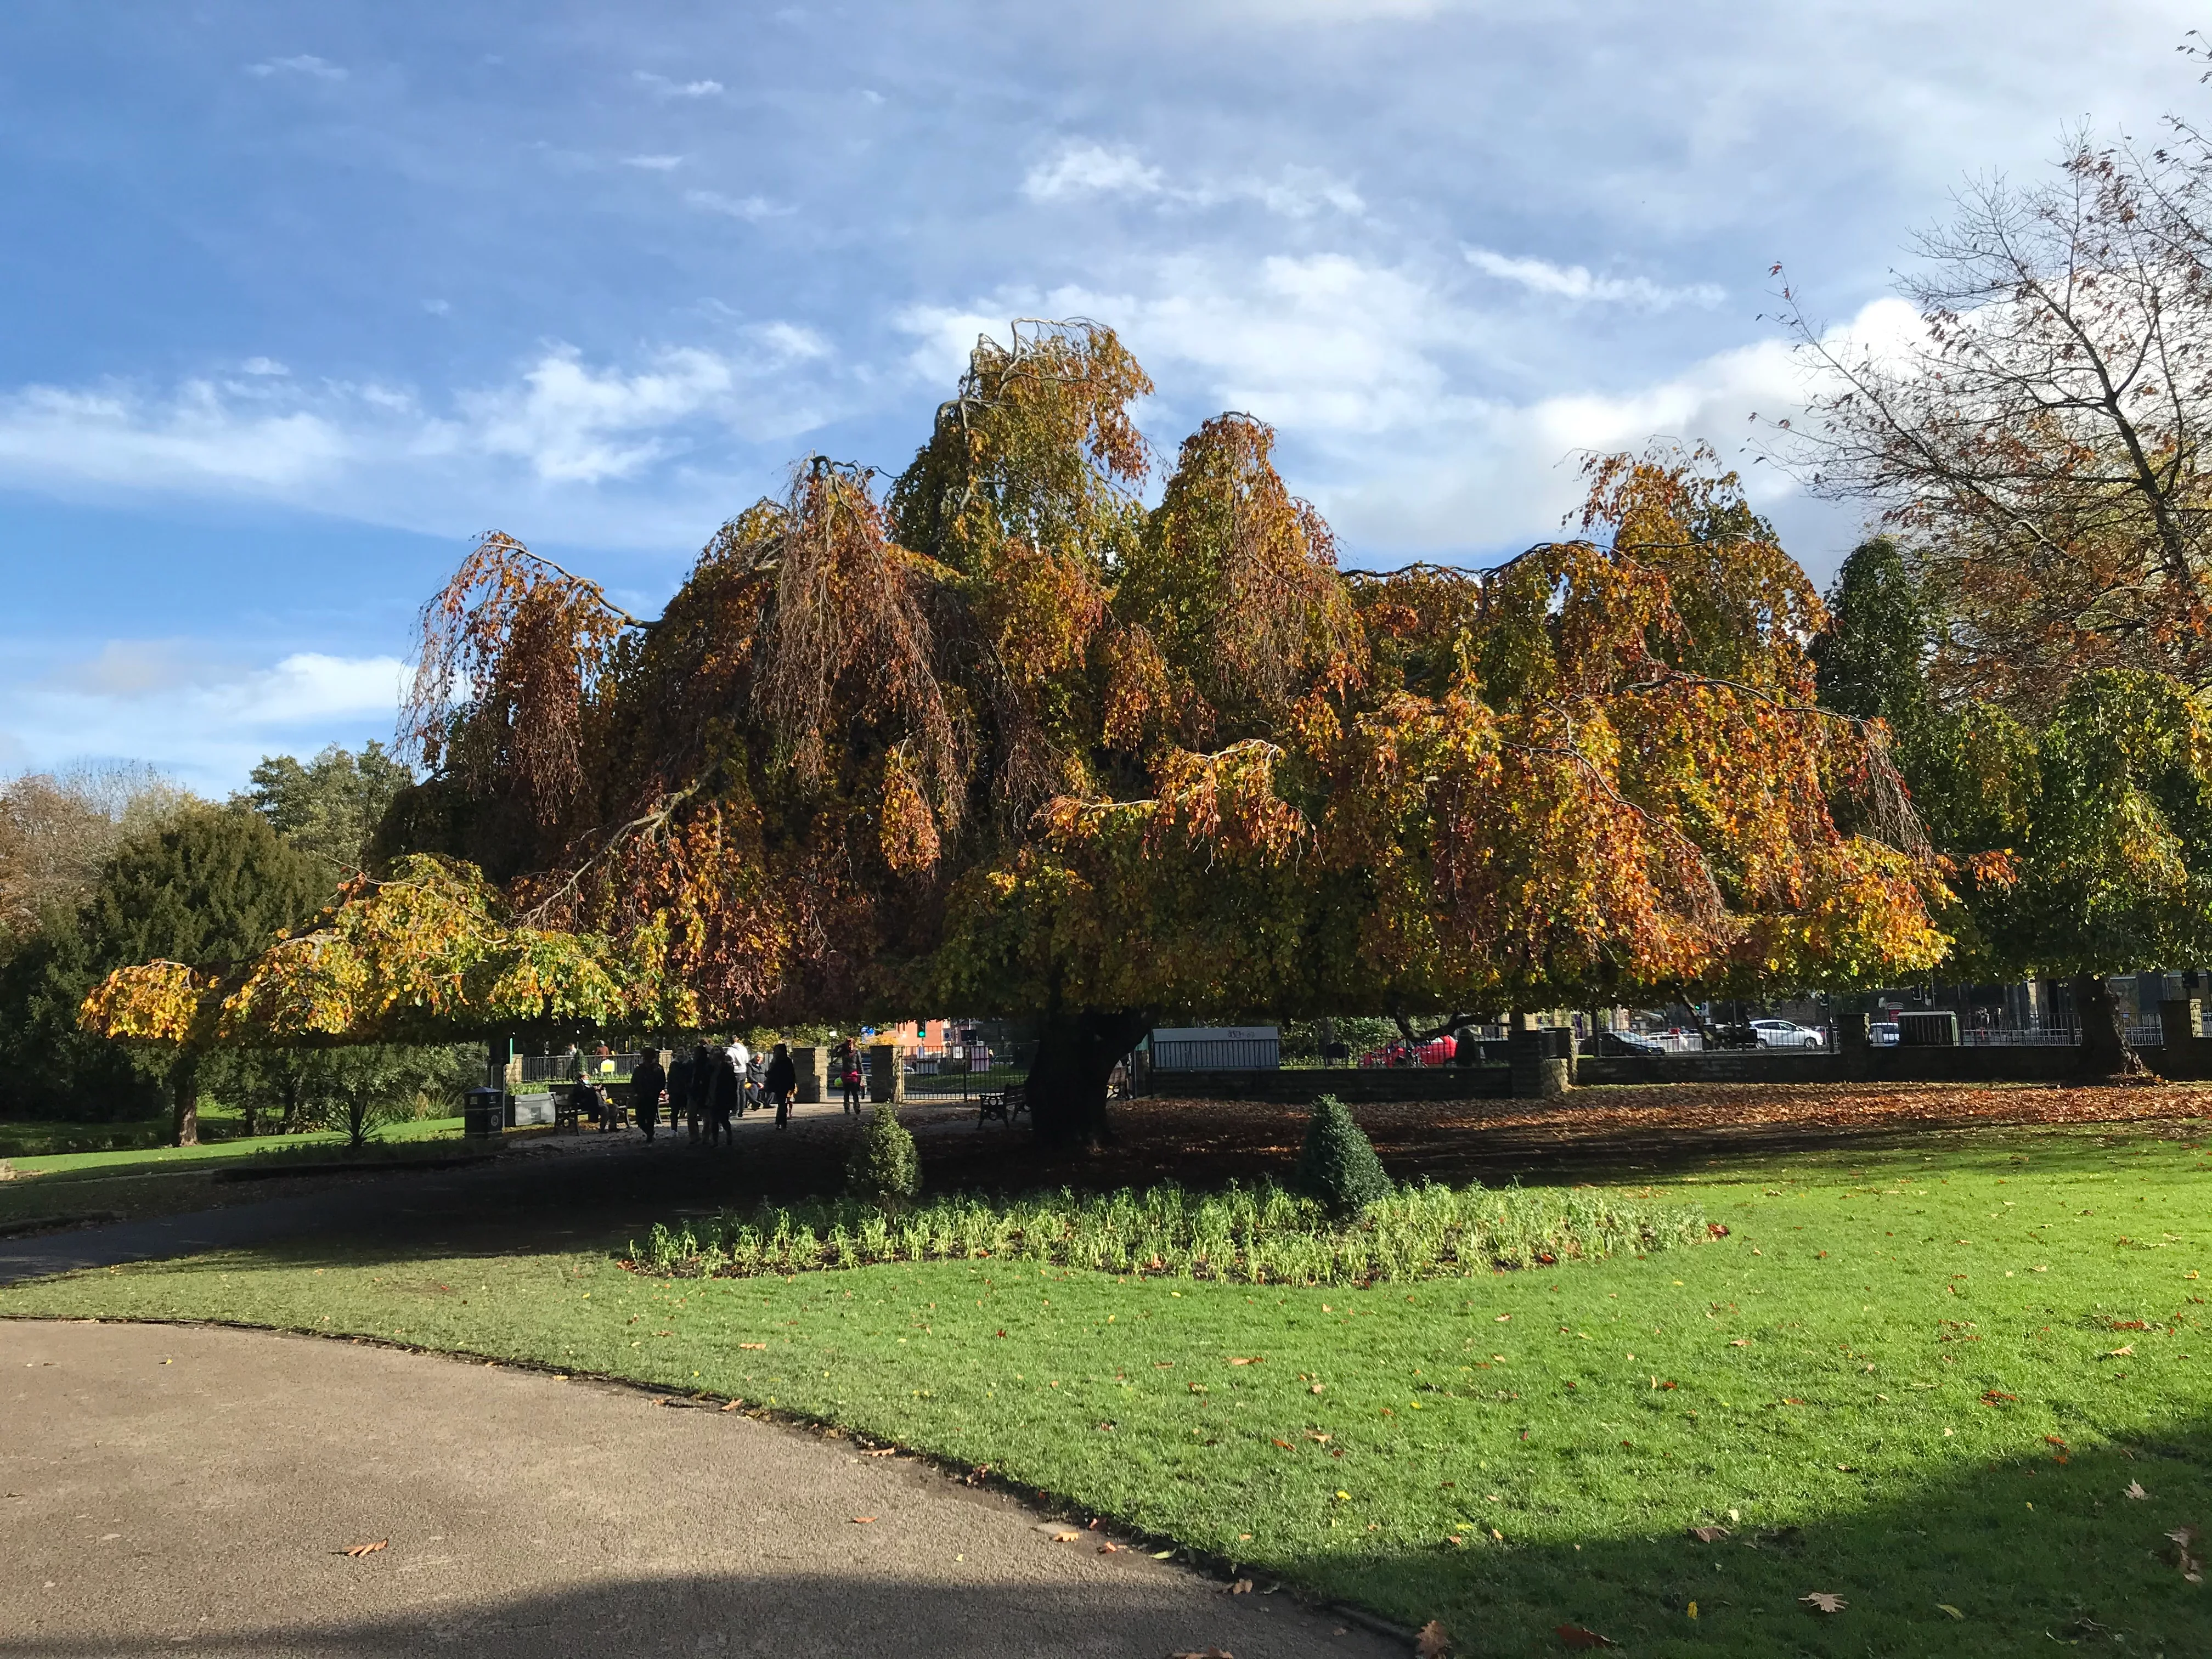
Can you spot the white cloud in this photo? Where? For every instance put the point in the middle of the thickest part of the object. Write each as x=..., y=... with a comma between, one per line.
x=305, y=64
x=751, y=209
x=263, y=366
x=1576, y=283
x=662, y=87
x=573, y=426
x=562, y=429
x=207, y=721
x=653, y=163
x=1086, y=168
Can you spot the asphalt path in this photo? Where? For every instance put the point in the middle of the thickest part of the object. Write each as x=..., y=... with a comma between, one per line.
x=167, y=1488
x=543, y=1189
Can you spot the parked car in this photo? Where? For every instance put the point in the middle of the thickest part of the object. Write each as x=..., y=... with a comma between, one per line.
x=1784, y=1034
x=1883, y=1034
x=1629, y=1042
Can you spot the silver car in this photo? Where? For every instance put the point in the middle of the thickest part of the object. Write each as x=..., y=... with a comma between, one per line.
x=1783, y=1034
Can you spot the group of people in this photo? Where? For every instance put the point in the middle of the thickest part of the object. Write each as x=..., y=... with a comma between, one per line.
x=715, y=1085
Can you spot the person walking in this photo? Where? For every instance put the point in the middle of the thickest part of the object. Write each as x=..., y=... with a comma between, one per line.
x=848, y=1074
x=721, y=1099
x=679, y=1086
x=703, y=1087
x=646, y=1084
x=756, y=1080
x=741, y=1058
x=782, y=1079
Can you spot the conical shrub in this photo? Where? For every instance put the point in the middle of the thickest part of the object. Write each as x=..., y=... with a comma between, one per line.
x=882, y=1164
x=1338, y=1167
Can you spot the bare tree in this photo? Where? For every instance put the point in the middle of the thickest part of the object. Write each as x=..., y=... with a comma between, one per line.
x=2040, y=446
x=56, y=830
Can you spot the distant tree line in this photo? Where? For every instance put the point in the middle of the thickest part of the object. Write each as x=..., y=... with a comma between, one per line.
x=105, y=867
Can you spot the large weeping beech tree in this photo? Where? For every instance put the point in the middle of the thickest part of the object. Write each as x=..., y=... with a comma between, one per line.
x=1003, y=739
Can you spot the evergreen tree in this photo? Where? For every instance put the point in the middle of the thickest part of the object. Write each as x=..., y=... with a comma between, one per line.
x=213, y=885
x=1337, y=1166
x=329, y=807
x=882, y=1164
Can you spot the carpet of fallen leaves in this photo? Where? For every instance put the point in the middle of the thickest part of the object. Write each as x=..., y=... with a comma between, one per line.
x=1585, y=1134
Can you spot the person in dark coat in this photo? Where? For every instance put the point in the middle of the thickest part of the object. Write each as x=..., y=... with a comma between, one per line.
x=702, y=1089
x=646, y=1084
x=679, y=1086
x=848, y=1074
x=722, y=1095
x=782, y=1079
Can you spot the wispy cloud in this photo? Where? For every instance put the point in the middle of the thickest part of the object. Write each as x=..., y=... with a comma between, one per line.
x=1577, y=283
x=306, y=63
x=653, y=163
x=753, y=209
x=662, y=87
x=206, y=720
x=562, y=428
x=1086, y=168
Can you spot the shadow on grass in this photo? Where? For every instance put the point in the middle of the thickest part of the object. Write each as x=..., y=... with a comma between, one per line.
x=2028, y=1552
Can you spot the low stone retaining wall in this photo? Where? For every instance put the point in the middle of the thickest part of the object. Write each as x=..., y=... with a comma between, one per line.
x=2190, y=1060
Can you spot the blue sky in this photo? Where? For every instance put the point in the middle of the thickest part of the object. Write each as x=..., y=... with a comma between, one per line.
x=304, y=297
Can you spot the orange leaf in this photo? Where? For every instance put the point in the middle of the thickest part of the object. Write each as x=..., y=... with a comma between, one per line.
x=1708, y=1534
x=863, y=1520
x=358, y=1550
x=1432, y=1642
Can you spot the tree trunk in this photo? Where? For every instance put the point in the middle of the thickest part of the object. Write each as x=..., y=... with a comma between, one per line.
x=185, y=1097
x=2105, y=1048
x=1076, y=1055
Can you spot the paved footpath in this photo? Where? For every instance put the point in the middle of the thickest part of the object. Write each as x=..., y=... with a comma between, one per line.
x=177, y=1487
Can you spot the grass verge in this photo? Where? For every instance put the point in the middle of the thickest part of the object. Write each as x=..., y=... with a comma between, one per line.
x=139, y=1183
x=1923, y=1380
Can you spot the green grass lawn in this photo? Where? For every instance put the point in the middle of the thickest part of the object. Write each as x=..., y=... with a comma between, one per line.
x=1922, y=1379
x=167, y=1180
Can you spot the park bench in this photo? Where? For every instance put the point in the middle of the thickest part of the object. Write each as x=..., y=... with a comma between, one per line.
x=1005, y=1104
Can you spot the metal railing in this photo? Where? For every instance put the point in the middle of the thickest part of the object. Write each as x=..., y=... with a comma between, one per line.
x=1218, y=1054
x=958, y=1075
x=573, y=1068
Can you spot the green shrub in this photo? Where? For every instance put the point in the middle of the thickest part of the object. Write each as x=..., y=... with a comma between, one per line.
x=1245, y=1235
x=1338, y=1168
x=882, y=1164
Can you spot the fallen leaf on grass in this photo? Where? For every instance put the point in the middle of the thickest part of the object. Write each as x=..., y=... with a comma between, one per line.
x=1996, y=1396
x=1821, y=1602
x=1944, y=1607
x=1255, y=1360
x=1740, y=1342
x=1284, y=1444
x=1708, y=1534
x=360, y=1550
x=1432, y=1642
x=2120, y=1352
x=752, y=1344
x=1575, y=1636
x=2052, y=1440
x=2135, y=1490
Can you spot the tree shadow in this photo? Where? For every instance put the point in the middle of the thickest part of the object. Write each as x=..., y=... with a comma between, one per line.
x=2029, y=1551
x=782, y=1614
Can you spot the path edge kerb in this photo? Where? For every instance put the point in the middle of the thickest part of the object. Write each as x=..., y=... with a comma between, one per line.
x=974, y=1477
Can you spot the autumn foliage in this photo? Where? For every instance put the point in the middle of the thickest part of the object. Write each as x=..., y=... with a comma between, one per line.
x=1003, y=738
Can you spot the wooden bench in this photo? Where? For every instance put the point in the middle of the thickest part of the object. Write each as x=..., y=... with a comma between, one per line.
x=1005, y=1104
